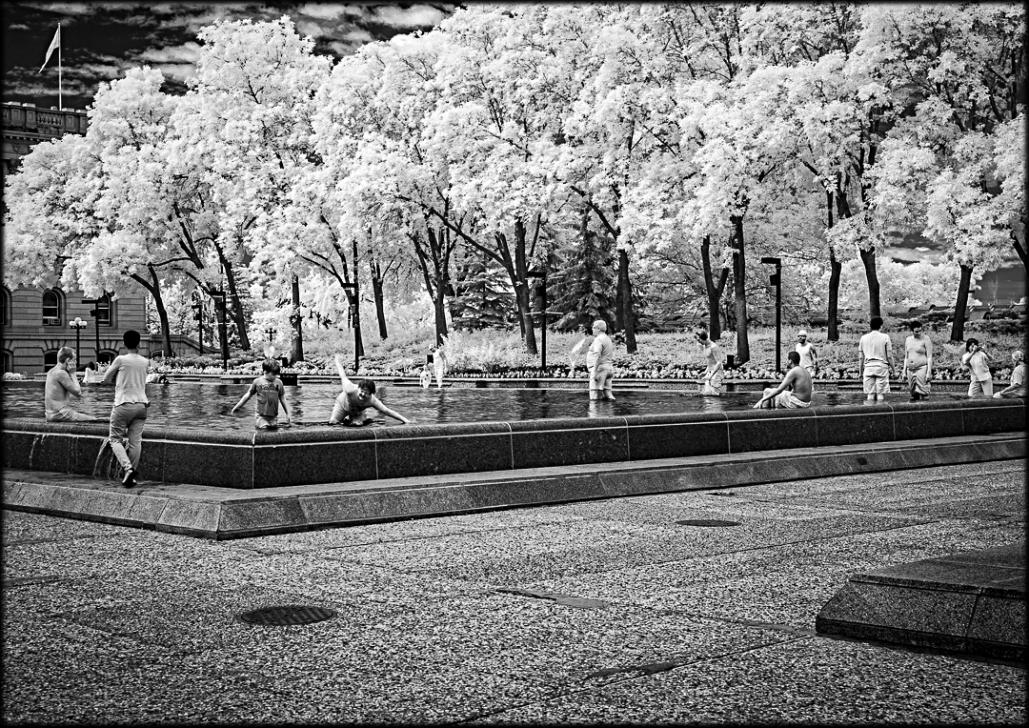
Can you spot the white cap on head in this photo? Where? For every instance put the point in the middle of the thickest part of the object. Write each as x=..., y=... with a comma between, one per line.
x=802, y=333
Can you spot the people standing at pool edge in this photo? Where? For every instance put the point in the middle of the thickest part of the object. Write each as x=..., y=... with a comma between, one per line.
x=918, y=362
x=128, y=415
x=978, y=363
x=599, y=362
x=795, y=390
x=1017, y=386
x=270, y=394
x=352, y=402
x=714, y=375
x=61, y=386
x=874, y=362
x=806, y=350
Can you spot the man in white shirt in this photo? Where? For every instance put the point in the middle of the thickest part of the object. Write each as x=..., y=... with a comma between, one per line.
x=875, y=363
x=128, y=416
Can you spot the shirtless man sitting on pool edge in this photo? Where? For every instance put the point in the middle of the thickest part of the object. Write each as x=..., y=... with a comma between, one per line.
x=795, y=390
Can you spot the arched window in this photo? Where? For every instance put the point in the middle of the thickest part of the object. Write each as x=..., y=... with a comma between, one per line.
x=49, y=360
x=107, y=356
x=53, y=307
x=6, y=303
x=8, y=361
x=103, y=310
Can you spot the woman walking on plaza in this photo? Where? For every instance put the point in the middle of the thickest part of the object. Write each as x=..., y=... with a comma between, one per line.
x=918, y=362
x=978, y=363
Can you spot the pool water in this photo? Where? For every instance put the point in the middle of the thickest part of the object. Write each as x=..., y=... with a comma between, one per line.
x=207, y=405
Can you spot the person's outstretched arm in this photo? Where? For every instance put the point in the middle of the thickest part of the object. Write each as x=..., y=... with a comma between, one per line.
x=341, y=369
x=282, y=401
x=377, y=404
x=244, y=399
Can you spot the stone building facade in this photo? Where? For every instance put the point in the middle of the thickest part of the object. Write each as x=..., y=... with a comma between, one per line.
x=37, y=322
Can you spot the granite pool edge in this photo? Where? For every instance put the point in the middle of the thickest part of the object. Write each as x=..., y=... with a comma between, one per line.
x=248, y=459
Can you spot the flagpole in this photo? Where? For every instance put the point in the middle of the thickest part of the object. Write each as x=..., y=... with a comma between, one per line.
x=60, y=90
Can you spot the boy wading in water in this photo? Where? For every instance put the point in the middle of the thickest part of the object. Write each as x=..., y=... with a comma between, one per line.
x=61, y=386
x=128, y=416
x=270, y=393
x=352, y=402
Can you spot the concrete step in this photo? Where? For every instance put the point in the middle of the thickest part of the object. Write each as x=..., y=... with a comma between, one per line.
x=226, y=513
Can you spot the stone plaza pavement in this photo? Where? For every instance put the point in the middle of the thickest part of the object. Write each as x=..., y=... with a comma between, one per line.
x=596, y=612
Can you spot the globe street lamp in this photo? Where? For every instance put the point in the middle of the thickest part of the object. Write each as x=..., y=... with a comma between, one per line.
x=78, y=324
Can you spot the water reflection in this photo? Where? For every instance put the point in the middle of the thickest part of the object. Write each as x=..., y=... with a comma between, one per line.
x=207, y=406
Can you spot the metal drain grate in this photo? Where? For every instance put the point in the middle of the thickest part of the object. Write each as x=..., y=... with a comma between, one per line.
x=287, y=615
x=708, y=523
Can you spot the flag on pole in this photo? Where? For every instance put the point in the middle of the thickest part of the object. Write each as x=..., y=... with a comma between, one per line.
x=55, y=44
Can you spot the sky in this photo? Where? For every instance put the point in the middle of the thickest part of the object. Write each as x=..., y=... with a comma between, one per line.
x=100, y=41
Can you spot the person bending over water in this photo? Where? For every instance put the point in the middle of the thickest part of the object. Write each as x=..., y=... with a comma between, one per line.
x=270, y=393
x=61, y=386
x=714, y=375
x=918, y=362
x=355, y=399
x=795, y=390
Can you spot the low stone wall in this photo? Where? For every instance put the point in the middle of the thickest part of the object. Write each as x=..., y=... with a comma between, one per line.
x=329, y=455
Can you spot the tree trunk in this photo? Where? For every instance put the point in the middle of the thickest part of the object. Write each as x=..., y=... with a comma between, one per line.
x=714, y=290
x=868, y=260
x=358, y=339
x=522, y=289
x=835, y=269
x=238, y=316
x=957, y=331
x=380, y=314
x=223, y=324
x=740, y=288
x=625, y=291
x=297, y=348
x=153, y=286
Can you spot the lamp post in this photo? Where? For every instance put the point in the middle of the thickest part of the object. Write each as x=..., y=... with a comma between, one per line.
x=78, y=324
x=198, y=314
x=542, y=275
x=776, y=278
x=95, y=313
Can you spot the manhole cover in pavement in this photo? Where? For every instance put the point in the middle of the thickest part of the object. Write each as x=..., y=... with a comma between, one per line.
x=709, y=523
x=286, y=615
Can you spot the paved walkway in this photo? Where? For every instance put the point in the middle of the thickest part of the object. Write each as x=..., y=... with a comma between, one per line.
x=596, y=612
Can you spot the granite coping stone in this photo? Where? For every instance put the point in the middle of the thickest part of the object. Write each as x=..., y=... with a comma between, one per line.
x=970, y=602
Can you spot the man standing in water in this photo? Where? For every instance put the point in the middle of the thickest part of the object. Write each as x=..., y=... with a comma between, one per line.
x=795, y=390
x=128, y=416
x=918, y=362
x=714, y=374
x=808, y=355
x=874, y=362
x=599, y=362
x=61, y=386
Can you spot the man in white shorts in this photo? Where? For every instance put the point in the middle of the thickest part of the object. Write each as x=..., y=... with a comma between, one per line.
x=875, y=363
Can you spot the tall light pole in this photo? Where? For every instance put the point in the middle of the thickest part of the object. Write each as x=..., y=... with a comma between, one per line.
x=95, y=313
x=198, y=314
x=776, y=278
x=542, y=275
x=78, y=324
x=356, y=321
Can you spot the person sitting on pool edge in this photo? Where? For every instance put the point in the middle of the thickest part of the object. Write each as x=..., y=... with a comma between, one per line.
x=352, y=402
x=795, y=390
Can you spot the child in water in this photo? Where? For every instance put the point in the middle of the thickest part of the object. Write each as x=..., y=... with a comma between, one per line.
x=355, y=399
x=270, y=393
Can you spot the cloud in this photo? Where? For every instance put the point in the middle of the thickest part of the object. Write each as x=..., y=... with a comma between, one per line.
x=185, y=53
x=330, y=11
x=416, y=16
x=357, y=35
x=17, y=26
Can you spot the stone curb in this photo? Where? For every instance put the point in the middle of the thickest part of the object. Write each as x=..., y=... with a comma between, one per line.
x=227, y=513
